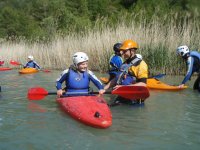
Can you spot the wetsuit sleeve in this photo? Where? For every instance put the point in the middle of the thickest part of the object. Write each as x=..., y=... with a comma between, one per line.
x=190, y=62
x=95, y=80
x=37, y=65
x=26, y=65
x=61, y=79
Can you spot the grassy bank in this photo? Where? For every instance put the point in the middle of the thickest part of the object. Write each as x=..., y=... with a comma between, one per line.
x=158, y=40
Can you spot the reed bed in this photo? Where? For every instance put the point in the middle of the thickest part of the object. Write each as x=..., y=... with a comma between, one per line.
x=157, y=39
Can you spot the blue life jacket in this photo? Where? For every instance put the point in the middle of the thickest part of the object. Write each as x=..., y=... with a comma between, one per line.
x=77, y=81
x=115, y=64
x=32, y=64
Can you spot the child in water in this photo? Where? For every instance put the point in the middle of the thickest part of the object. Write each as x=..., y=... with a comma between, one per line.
x=77, y=78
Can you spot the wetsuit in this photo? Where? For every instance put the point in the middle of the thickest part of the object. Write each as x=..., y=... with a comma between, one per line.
x=193, y=65
x=77, y=81
x=32, y=64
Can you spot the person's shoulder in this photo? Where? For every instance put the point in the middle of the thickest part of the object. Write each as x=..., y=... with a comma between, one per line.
x=143, y=63
x=65, y=71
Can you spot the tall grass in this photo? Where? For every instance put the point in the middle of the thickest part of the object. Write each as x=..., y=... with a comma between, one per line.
x=157, y=39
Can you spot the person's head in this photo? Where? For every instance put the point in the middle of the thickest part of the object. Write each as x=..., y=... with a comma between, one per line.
x=116, y=48
x=128, y=49
x=30, y=57
x=80, y=60
x=183, y=51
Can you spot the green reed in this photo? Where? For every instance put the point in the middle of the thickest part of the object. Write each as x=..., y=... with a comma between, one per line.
x=157, y=39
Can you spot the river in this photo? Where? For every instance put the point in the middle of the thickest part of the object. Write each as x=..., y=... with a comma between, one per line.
x=167, y=120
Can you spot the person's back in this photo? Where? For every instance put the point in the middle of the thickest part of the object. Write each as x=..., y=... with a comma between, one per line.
x=115, y=61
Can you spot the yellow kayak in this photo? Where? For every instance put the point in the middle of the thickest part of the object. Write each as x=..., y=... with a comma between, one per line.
x=28, y=71
x=153, y=83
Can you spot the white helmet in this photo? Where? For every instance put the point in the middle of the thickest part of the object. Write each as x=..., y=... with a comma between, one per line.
x=79, y=57
x=139, y=56
x=182, y=50
x=30, y=57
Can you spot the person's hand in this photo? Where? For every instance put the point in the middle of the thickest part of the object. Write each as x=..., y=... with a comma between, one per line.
x=181, y=86
x=59, y=93
x=102, y=91
x=117, y=86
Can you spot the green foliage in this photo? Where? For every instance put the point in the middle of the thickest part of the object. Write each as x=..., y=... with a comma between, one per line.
x=40, y=18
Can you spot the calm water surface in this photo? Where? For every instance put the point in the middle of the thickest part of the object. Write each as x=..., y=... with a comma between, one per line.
x=168, y=120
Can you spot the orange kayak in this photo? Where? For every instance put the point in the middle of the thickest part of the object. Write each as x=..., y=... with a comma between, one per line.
x=5, y=69
x=153, y=83
x=28, y=71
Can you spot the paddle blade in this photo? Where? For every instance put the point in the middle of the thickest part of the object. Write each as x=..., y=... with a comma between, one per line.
x=46, y=71
x=132, y=92
x=37, y=93
x=12, y=62
x=1, y=62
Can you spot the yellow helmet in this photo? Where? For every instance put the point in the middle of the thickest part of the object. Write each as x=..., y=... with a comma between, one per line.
x=128, y=44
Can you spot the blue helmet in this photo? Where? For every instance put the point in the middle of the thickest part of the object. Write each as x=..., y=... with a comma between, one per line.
x=117, y=46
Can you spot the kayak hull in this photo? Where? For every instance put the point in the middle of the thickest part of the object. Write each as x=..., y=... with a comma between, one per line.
x=5, y=69
x=28, y=71
x=156, y=84
x=90, y=110
x=153, y=83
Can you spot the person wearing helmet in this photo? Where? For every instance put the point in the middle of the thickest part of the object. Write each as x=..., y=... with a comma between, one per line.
x=115, y=61
x=77, y=78
x=31, y=63
x=133, y=71
x=192, y=59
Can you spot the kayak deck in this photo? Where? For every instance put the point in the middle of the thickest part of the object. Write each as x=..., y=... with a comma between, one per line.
x=28, y=70
x=153, y=83
x=90, y=110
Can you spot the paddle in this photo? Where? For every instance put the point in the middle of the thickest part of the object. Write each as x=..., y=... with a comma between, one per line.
x=15, y=63
x=1, y=63
x=128, y=92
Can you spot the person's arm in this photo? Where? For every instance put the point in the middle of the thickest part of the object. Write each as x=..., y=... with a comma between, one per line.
x=96, y=82
x=37, y=66
x=59, y=82
x=142, y=74
x=190, y=62
x=110, y=84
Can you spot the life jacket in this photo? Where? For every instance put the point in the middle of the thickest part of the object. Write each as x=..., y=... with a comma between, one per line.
x=32, y=64
x=77, y=82
x=125, y=77
x=115, y=63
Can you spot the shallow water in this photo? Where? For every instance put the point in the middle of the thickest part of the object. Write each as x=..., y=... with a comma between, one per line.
x=167, y=120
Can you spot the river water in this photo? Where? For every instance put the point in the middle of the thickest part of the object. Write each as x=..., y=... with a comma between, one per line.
x=167, y=120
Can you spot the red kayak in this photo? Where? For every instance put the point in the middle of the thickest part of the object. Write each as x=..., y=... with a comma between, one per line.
x=5, y=69
x=90, y=110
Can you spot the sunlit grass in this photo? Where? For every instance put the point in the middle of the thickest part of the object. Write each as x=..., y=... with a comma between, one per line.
x=157, y=40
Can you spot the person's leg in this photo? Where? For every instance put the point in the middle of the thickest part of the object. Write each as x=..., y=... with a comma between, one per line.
x=196, y=85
